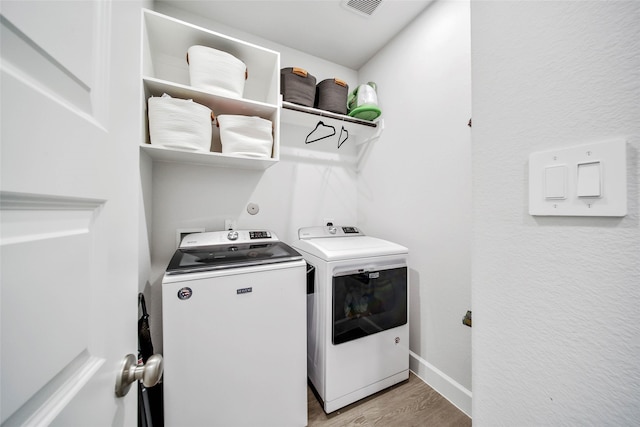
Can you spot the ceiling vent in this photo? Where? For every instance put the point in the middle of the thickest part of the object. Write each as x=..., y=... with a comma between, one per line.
x=362, y=7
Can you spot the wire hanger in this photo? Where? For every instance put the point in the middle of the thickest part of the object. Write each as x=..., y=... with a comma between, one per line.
x=320, y=129
x=346, y=136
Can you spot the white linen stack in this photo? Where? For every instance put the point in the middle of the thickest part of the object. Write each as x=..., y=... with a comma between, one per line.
x=248, y=136
x=216, y=71
x=179, y=123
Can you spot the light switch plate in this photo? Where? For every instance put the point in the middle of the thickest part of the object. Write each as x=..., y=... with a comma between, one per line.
x=612, y=158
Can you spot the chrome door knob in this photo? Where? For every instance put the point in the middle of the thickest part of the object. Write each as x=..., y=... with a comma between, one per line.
x=149, y=373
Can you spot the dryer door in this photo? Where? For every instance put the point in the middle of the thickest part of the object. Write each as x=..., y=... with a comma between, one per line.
x=369, y=301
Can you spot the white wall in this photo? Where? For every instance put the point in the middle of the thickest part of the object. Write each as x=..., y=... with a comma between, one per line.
x=556, y=333
x=415, y=186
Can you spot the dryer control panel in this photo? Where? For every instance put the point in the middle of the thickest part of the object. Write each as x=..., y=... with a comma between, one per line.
x=328, y=231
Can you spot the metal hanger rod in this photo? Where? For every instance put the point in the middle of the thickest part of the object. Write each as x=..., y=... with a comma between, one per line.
x=323, y=113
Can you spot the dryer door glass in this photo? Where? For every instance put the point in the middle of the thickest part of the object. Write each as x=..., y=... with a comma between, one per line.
x=365, y=303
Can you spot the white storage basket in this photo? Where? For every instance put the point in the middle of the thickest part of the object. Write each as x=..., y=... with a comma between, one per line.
x=216, y=71
x=245, y=135
x=179, y=123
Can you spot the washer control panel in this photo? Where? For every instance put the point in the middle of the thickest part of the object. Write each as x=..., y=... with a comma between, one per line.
x=259, y=235
x=225, y=237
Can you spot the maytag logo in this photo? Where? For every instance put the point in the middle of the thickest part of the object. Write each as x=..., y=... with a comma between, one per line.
x=374, y=275
x=185, y=293
x=244, y=290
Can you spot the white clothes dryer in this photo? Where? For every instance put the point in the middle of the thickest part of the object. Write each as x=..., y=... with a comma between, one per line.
x=234, y=336
x=357, y=313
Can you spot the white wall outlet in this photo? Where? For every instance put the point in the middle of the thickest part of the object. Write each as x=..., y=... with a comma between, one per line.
x=230, y=224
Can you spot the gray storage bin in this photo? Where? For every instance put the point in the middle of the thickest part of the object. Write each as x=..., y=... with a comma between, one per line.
x=331, y=95
x=297, y=86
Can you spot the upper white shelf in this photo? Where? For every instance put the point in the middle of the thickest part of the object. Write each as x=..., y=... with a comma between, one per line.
x=218, y=104
x=165, y=48
x=165, y=43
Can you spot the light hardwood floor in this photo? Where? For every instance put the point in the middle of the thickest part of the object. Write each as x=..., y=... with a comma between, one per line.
x=408, y=404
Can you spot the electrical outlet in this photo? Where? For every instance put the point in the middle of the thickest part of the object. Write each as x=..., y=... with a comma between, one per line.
x=328, y=221
x=230, y=224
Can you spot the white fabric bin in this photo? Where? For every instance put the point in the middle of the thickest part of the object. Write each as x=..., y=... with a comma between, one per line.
x=246, y=135
x=179, y=123
x=216, y=71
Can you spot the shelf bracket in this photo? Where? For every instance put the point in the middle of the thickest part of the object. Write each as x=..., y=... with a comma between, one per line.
x=364, y=146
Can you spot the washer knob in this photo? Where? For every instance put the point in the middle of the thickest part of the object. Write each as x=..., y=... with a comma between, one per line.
x=233, y=235
x=332, y=230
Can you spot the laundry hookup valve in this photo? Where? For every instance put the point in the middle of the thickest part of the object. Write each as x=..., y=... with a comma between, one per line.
x=466, y=320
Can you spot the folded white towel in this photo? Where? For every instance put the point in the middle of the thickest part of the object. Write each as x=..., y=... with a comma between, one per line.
x=246, y=135
x=179, y=123
x=216, y=71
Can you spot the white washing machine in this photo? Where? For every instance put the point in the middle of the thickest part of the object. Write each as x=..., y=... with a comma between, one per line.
x=357, y=313
x=234, y=332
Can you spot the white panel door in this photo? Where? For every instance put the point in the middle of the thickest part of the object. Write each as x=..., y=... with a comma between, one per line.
x=68, y=210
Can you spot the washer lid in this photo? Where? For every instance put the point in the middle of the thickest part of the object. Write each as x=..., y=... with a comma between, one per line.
x=225, y=256
x=340, y=248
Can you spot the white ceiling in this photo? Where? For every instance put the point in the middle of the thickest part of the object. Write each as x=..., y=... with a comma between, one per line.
x=323, y=28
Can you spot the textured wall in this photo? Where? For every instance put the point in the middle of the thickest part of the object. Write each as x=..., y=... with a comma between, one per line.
x=415, y=185
x=556, y=333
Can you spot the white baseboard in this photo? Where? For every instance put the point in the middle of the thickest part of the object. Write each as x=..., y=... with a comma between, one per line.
x=442, y=383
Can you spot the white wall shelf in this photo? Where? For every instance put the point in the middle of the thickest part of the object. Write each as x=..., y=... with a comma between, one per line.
x=217, y=103
x=170, y=155
x=362, y=130
x=165, y=70
x=322, y=113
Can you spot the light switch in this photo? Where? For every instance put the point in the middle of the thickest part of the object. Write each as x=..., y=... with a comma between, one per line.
x=555, y=182
x=589, y=180
x=580, y=180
